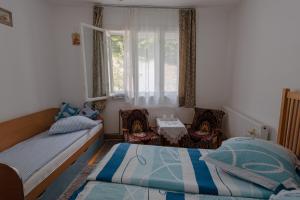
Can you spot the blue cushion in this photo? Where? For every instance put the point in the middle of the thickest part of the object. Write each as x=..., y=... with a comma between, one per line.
x=258, y=161
x=66, y=110
x=72, y=124
x=89, y=112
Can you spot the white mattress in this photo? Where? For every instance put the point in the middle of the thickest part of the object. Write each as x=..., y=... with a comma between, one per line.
x=46, y=170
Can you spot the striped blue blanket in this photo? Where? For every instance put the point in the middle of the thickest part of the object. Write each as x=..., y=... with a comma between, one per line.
x=96, y=190
x=171, y=169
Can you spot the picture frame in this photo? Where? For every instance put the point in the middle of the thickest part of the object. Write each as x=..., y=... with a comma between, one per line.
x=6, y=17
x=76, y=39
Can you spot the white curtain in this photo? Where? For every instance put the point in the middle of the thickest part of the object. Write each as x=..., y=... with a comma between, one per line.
x=152, y=57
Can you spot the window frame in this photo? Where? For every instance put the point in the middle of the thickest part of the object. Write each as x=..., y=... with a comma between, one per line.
x=84, y=58
x=110, y=33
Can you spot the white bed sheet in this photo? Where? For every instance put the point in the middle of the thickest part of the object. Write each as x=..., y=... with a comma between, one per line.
x=47, y=169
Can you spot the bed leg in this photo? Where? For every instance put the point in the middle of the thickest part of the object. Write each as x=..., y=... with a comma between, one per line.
x=11, y=186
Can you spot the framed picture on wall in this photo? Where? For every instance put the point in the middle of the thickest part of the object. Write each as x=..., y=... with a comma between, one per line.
x=6, y=17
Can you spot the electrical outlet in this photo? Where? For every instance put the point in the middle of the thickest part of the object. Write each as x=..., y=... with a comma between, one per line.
x=264, y=132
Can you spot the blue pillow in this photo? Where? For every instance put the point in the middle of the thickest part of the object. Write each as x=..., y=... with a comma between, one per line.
x=89, y=112
x=72, y=124
x=258, y=161
x=66, y=110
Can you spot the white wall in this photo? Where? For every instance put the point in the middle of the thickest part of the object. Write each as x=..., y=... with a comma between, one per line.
x=213, y=72
x=266, y=57
x=28, y=74
x=245, y=57
x=66, y=20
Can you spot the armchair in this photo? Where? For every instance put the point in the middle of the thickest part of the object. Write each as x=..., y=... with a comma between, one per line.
x=136, y=129
x=205, y=131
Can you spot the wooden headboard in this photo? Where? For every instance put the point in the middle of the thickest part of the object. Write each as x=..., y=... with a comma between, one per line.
x=22, y=128
x=289, y=123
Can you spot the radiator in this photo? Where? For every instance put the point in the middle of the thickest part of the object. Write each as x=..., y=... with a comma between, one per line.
x=237, y=124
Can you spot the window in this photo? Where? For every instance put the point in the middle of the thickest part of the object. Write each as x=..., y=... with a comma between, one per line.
x=148, y=82
x=158, y=54
x=116, y=51
x=171, y=73
x=141, y=62
x=156, y=59
x=158, y=71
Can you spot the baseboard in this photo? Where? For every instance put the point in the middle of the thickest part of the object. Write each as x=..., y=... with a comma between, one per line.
x=112, y=136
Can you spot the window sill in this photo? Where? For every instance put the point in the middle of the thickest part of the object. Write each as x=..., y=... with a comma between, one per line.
x=117, y=97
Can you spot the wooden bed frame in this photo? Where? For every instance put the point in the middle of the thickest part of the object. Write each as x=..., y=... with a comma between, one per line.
x=17, y=130
x=289, y=123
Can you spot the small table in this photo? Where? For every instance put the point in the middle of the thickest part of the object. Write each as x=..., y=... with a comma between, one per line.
x=171, y=129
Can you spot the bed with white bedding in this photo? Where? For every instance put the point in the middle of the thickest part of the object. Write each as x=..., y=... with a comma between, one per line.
x=36, y=158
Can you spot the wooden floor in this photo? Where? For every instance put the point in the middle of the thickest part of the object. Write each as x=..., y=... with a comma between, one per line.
x=81, y=178
x=103, y=151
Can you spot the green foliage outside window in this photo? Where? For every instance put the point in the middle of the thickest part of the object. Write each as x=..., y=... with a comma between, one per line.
x=117, y=49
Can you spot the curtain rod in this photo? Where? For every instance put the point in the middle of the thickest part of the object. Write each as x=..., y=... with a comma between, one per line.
x=142, y=6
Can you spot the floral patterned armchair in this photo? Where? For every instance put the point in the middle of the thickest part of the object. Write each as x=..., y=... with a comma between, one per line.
x=136, y=129
x=205, y=131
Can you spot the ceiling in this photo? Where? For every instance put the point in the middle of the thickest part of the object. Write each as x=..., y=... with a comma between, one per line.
x=155, y=3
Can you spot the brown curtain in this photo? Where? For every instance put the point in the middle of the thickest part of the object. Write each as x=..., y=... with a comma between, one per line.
x=99, y=88
x=187, y=55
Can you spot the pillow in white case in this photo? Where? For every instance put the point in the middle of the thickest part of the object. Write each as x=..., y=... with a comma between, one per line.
x=72, y=124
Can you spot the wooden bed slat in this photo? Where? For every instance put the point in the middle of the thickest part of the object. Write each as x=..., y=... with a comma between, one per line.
x=298, y=150
x=289, y=123
x=282, y=124
x=297, y=129
x=293, y=123
x=288, y=129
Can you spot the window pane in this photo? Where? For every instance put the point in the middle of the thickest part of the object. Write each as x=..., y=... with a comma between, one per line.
x=117, y=51
x=171, y=62
x=146, y=62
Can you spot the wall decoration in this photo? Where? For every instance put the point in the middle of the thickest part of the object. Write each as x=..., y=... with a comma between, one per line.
x=6, y=17
x=76, y=39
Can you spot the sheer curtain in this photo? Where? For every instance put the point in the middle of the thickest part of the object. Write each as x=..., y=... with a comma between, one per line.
x=152, y=57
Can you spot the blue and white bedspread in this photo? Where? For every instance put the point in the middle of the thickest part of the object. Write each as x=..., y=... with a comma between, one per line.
x=96, y=190
x=171, y=169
